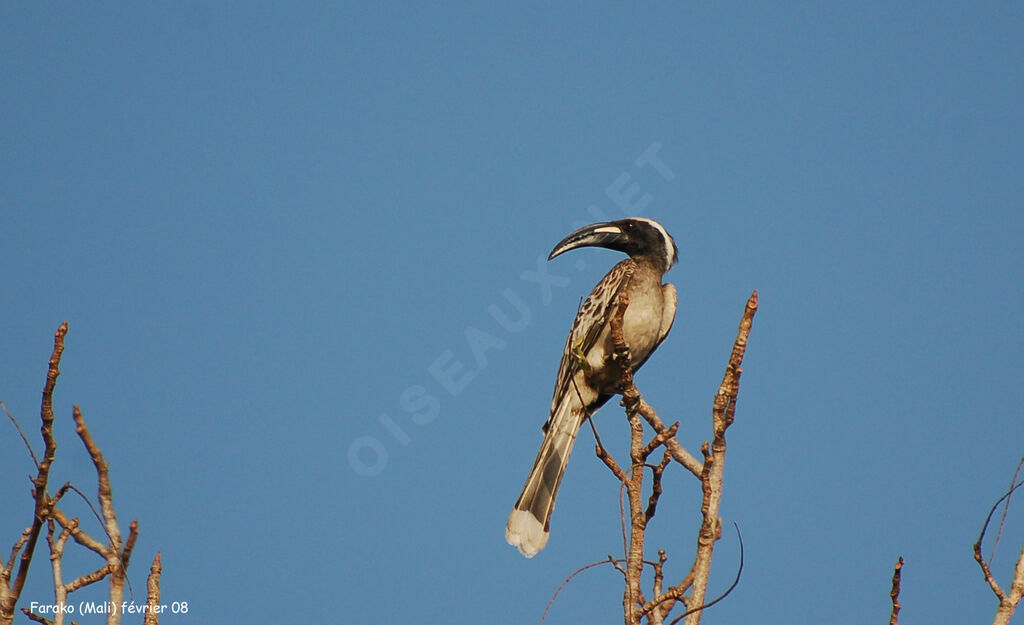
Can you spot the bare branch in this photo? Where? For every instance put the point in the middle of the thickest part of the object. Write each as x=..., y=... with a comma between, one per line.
x=659, y=572
x=710, y=471
x=894, y=618
x=669, y=597
x=1006, y=510
x=24, y=438
x=565, y=583
x=5, y=569
x=80, y=536
x=1007, y=601
x=679, y=453
x=89, y=578
x=735, y=582
x=9, y=595
x=600, y=450
x=32, y=616
x=632, y=595
x=106, y=496
x=723, y=414
x=115, y=552
x=153, y=591
x=133, y=535
x=977, y=546
x=656, y=490
x=660, y=439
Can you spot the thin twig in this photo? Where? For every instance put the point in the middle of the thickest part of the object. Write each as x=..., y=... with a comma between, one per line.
x=1007, y=601
x=69, y=486
x=735, y=582
x=28, y=445
x=977, y=545
x=569, y=579
x=659, y=572
x=1006, y=509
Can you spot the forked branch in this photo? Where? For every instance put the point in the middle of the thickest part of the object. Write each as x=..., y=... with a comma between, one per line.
x=1008, y=601
x=710, y=471
x=61, y=530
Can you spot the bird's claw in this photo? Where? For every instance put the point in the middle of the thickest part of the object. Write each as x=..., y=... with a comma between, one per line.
x=581, y=358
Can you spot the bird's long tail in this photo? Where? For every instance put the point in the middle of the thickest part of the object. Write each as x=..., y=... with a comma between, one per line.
x=527, y=526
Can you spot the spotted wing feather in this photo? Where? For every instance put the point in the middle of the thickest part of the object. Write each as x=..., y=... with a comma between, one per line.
x=587, y=327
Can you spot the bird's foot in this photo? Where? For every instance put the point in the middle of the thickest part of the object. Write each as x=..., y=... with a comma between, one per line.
x=581, y=358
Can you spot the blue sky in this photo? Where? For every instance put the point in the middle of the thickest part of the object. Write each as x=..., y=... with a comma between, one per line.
x=268, y=224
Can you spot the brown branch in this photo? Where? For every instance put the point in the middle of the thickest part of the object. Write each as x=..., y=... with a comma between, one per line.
x=618, y=567
x=28, y=445
x=81, y=537
x=1007, y=608
x=599, y=448
x=32, y=616
x=1007, y=601
x=710, y=471
x=669, y=597
x=133, y=535
x=728, y=591
x=679, y=453
x=723, y=414
x=622, y=518
x=660, y=439
x=68, y=486
x=89, y=578
x=9, y=595
x=656, y=490
x=609, y=462
x=116, y=552
x=1006, y=510
x=634, y=482
x=1000, y=594
x=115, y=555
x=5, y=569
x=565, y=583
x=153, y=591
x=894, y=594
x=659, y=572
x=106, y=496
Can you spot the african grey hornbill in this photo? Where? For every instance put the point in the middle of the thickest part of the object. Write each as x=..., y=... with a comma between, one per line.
x=645, y=324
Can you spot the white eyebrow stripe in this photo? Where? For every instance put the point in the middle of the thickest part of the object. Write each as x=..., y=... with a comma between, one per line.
x=665, y=236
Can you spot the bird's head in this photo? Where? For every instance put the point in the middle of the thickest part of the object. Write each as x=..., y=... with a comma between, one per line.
x=636, y=236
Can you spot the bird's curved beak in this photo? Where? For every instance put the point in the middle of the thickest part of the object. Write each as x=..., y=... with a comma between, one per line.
x=606, y=234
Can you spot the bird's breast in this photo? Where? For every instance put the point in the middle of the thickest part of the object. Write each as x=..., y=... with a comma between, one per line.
x=641, y=325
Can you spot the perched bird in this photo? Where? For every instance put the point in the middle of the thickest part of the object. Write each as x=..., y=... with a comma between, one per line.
x=586, y=358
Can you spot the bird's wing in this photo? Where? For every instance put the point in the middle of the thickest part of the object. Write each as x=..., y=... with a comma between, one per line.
x=668, y=314
x=586, y=328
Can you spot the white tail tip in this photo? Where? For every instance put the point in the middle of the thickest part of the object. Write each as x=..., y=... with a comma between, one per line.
x=526, y=533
